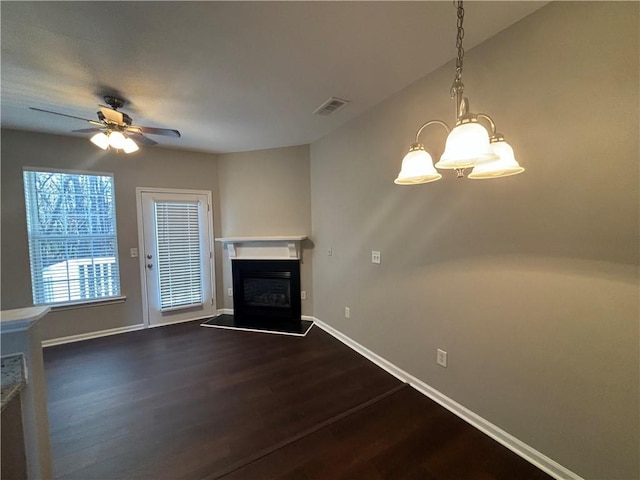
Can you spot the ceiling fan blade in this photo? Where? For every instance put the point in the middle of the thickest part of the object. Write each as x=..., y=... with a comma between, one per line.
x=89, y=130
x=141, y=139
x=112, y=115
x=168, y=132
x=63, y=114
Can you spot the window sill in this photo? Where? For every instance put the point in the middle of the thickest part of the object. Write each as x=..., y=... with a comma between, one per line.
x=58, y=307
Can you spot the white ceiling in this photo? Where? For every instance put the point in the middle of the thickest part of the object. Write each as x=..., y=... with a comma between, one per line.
x=231, y=76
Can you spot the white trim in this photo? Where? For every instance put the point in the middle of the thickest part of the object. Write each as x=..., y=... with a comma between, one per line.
x=90, y=335
x=229, y=311
x=259, y=331
x=263, y=247
x=141, y=259
x=520, y=448
x=280, y=238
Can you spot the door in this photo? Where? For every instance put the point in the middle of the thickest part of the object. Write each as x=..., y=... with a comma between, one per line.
x=177, y=257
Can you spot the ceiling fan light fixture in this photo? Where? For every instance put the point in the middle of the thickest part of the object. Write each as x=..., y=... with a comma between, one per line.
x=101, y=140
x=130, y=146
x=111, y=126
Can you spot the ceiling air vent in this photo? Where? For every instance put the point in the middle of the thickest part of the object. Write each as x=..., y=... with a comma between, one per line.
x=331, y=106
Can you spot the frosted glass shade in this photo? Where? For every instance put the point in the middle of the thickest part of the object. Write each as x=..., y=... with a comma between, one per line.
x=504, y=166
x=100, y=140
x=116, y=140
x=417, y=167
x=467, y=145
x=130, y=146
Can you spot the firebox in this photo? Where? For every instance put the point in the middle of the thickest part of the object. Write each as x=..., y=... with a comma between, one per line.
x=266, y=291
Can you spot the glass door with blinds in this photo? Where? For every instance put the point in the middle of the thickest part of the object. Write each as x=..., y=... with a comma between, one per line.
x=177, y=256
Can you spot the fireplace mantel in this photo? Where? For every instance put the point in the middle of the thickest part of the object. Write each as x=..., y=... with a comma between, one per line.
x=284, y=247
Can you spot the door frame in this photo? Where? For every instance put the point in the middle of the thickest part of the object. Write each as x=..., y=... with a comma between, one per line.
x=141, y=258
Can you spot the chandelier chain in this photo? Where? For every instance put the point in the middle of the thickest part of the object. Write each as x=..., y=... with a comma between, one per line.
x=459, y=37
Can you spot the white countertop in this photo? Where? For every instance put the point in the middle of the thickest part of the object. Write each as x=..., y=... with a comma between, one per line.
x=21, y=318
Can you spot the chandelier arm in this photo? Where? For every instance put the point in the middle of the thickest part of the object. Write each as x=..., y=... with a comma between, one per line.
x=431, y=122
x=490, y=120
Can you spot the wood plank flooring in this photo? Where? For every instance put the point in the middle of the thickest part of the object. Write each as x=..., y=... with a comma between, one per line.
x=186, y=402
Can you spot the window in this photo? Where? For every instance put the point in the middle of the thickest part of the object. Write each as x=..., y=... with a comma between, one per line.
x=178, y=247
x=73, y=248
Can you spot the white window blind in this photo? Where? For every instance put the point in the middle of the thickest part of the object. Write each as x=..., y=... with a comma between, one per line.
x=73, y=249
x=179, y=254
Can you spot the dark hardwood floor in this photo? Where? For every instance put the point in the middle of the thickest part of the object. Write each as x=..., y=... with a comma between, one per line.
x=186, y=402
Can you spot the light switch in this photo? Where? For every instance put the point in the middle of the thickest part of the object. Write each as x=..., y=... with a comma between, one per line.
x=133, y=252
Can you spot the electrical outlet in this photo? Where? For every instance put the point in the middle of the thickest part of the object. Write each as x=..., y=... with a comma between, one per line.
x=347, y=312
x=375, y=256
x=330, y=251
x=303, y=295
x=230, y=292
x=441, y=358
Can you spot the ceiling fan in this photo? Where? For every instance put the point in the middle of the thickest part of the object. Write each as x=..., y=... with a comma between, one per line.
x=114, y=128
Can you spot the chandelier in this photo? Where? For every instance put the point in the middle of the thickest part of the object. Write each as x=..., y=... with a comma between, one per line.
x=468, y=144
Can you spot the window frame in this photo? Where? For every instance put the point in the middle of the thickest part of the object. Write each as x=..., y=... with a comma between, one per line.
x=30, y=195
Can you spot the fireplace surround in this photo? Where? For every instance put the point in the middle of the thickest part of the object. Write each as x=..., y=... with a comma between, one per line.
x=266, y=285
x=266, y=291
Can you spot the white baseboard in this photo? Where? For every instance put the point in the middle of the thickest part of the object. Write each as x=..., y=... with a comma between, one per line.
x=87, y=336
x=520, y=448
x=111, y=331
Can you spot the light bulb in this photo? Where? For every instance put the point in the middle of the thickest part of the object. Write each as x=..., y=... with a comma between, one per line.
x=130, y=146
x=100, y=140
x=467, y=145
x=504, y=166
x=116, y=140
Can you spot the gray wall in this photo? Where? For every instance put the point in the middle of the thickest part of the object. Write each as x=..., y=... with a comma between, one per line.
x=267, y=193
x=150, y=167
x=258, y=193
x=529, y=282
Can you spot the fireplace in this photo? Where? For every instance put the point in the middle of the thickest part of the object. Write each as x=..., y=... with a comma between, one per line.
x=266, y=291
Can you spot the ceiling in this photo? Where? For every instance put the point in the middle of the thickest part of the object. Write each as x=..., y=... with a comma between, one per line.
x=231, y=76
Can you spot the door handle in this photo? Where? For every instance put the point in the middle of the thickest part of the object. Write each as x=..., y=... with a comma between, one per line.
x=149, y=256
x=149, y=266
